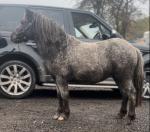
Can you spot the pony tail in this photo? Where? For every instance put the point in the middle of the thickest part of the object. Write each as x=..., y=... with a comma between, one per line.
x=139, y=78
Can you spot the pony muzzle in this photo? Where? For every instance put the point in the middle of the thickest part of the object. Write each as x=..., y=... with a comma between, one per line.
x=16, y=38
x=13, y=37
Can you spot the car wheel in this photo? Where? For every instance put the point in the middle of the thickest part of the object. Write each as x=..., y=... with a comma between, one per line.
x=17, y=79
x=146, y=86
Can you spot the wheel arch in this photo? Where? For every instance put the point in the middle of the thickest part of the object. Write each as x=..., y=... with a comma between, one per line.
x=24, y=58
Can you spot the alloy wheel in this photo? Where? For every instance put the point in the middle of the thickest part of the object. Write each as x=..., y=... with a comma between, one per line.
x=146, y=90
x=15, y=79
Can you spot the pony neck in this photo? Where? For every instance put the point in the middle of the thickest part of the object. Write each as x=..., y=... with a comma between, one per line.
x=72, y=40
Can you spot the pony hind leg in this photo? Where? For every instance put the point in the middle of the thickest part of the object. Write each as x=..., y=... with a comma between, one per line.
x=123, y=110
x=132, y=103
x=63, y=110
x=128, y=94
x=123, y=86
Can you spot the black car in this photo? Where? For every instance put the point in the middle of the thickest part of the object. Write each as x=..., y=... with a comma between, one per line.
x=23, y=61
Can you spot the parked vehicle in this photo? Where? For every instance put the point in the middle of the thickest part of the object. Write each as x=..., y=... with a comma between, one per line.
x=23, y=59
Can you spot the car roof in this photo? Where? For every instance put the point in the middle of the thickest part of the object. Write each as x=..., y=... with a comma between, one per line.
x=44, y=6
x=57, y=8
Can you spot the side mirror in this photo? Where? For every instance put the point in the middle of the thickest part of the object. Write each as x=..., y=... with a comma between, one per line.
x=105, y=36
x=113, y=34
x=114, y=31
x=93, y=25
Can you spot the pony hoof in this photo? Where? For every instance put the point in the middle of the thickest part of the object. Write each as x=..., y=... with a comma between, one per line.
x=130, y=119
x=119, y=116
x=129, y=122
x=61, y=118
x=56, y=116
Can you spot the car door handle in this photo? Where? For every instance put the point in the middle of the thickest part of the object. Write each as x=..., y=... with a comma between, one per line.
x=31, y=44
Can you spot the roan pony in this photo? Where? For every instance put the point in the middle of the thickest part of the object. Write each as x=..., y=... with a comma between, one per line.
x=68, y=58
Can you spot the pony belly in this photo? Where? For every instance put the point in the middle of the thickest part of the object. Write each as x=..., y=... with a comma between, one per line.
x=88, y=78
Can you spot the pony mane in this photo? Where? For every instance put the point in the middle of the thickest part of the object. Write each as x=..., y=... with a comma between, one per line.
x=48, y=31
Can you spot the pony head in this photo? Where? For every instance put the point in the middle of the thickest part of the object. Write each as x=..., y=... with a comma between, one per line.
x=24, y=31
x=41, y=29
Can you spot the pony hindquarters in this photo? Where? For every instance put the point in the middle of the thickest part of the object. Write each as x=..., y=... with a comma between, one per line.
x=131, y=89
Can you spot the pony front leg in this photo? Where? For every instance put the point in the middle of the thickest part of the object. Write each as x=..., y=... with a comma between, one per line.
x=60, y=105
x=63, y=110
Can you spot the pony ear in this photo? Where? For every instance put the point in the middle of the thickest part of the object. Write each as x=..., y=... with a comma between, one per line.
x=29, y=15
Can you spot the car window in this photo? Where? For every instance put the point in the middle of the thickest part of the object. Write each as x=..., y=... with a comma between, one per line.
x=10, y=17
x=55, y=15
x=78, y=33
x=86, y=26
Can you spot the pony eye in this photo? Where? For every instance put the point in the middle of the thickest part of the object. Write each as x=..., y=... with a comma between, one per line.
x=22, y=22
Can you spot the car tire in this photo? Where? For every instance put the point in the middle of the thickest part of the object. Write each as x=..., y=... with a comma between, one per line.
x=17, y=79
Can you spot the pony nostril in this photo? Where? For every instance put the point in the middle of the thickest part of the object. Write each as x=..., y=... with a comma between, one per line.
x=24, y=38
x=13, y=37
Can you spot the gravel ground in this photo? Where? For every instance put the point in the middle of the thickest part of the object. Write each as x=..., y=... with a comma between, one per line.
x=90, y=112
